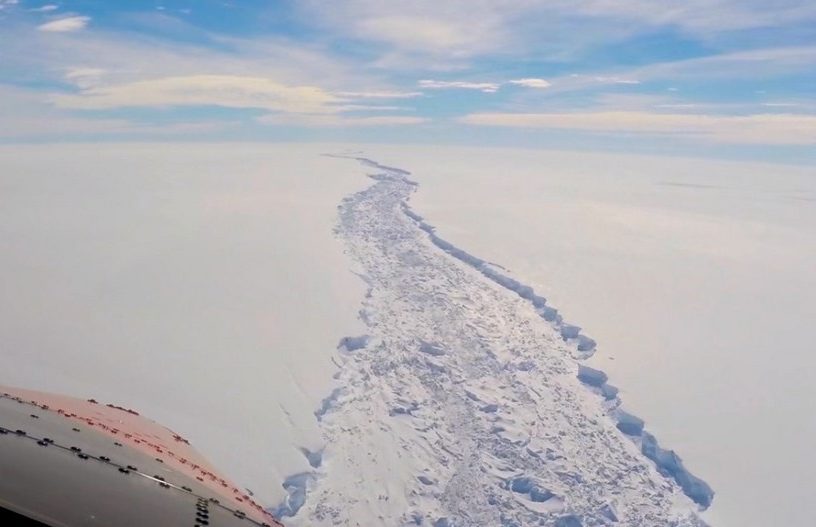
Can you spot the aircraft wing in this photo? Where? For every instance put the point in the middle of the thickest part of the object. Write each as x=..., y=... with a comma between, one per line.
x=67, y=462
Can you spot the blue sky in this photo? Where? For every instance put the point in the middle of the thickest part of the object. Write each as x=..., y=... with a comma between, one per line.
x=734, y=78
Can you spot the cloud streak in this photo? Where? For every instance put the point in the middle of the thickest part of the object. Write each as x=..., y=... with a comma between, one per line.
x=45, y=9
x=26, y=117
x=462, y=29
x=486, y=87
x=384, y=94
x=311, y=120
x=65, y=25
x=228, y=91
x=531, y=83
x=780, y=129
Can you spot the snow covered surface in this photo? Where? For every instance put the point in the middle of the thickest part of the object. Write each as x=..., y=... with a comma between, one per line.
x=203, y=286
x=696, y=279
x=198, y=284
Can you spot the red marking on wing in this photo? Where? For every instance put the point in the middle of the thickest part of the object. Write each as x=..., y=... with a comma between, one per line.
x=148, y=437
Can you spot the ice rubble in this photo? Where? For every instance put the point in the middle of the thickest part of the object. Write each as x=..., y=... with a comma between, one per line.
x=459, y=408
x=353, y=343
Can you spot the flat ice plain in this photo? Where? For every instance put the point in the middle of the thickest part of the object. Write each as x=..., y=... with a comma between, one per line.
x=198, y=284
x=696, y=277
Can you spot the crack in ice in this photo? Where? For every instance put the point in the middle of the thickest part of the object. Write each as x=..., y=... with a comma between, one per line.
x=465, y=405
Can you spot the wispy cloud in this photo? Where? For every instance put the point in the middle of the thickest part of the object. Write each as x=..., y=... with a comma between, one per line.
x=45, y=8
x=702, y=16
x=615, y=80
x=84, y=77
x=781, y=104
x=26, y=117
x=371, y=108
x=531, y=83
x=787, y=129
x=414, y=32
x=130, y=57
x=312, y=120
x=460, y=29
x=753, y=63
x=229, y=91
x=748, y=64
x=454, y=29
x=486, y=87
x=61, y=25
x=384, y=94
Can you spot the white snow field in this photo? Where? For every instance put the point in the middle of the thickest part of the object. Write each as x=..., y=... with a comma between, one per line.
x=206, y=285
x=198, y=284
x=695, y=277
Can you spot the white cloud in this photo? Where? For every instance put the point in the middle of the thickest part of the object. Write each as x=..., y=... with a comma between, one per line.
x=576, y=81
x=531, y=83
x=615, y=80
x=454, y=29
x=115, y=71
x=415, y=32
x=84, y=77
x=303, y=105
x=200, y=90
x=339, y=120
x=457, y=30
x=130, y=57
x=486, y=87
x=701, y=16
x=751, y=64
x=764, y=62
x=71, y=23
x=749, y=129
x=369, y=108
x=385, y=94
x=677, y=106
x=26, y=117
x=780, y=104
x=46, y=8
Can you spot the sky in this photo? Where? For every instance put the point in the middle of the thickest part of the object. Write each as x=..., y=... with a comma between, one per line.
x=725, y=78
